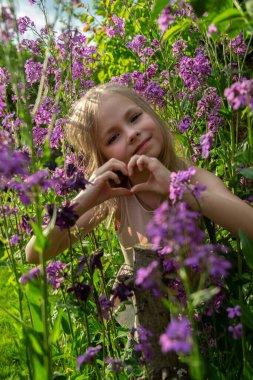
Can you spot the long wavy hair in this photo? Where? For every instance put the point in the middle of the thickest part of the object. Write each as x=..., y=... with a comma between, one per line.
x=82, y=128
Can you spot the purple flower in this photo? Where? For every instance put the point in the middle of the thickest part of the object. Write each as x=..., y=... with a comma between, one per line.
x=55, y=273
x=194, y=72
x=15, y=239
x=105, y=306
x=66, y=217
x=117, y=28
x=144, y=345
x=81, y=291
x=45, y=112
x=95, y=261
x=24, y=23
x=174, y=227
x=57, y=135
x=177, y=337
x=155, y=93
x=89, y=356
x=33, y=71
x=12, y=162
x=184, y=124
x=178, y=48
x=234, y=311
x=212, y=29
x=146, y=278
x=236, y=331
x=206, y=143
x=167, y=17
x=116, y=365
x=181, y=181
x=122, y=292
x=206, y=258
x=240, y=94
x=210, y=103
x=32, y=274
x=137, y=44
x=238, y=45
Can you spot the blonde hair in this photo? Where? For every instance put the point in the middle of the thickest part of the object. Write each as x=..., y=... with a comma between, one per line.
x=82, y=127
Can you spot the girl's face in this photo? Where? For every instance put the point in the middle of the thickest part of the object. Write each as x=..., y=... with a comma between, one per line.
x=124, y=130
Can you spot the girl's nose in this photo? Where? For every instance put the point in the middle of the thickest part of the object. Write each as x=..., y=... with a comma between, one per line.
x=132, y=135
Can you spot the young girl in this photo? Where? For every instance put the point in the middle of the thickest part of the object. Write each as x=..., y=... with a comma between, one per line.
x=130, y=155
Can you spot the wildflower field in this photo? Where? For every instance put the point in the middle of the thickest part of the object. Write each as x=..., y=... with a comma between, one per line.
x=193, y=61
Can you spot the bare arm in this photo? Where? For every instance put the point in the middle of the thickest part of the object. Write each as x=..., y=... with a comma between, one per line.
x=217, y=202
x=221, y=206
x=87, y=201
x=59, y=240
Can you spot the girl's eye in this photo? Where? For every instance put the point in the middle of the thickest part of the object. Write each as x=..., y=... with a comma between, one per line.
x=112, y=139
x=135, y=117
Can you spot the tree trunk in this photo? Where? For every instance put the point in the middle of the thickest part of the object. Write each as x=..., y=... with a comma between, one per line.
x=154, y=316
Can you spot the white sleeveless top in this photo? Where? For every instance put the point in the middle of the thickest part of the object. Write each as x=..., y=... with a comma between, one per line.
x=132, y=230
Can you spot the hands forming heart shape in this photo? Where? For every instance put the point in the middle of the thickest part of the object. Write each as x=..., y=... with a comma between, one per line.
x=155, y=175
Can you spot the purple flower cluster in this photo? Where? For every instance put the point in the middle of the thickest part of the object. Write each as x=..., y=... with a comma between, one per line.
x=166, y=18
x=138, y=44
x=144, y=344
x=26, y=188
x=240, y=94
x=175, y=235
x=181, y=181
x=173, y=227
x=118, y=27
x=194, y=72
x=236, y=330
x=32, y=274
x=234, y=311
x=89, y=356
x=55, y=273
x=12, y=162
x=116, y=365
x=33, y=71
x=146, y=278
x=184, y=124
x=66, y=217
x=45, y=112
x=105, y=306
x=24, y=23
x=238, y=45
x=178, y=48
x=177, y=337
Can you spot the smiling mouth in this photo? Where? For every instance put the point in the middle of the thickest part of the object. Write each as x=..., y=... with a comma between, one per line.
x=141, y=145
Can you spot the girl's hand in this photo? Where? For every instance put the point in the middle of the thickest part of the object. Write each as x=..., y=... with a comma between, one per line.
x=105, y=178
x=158, y=178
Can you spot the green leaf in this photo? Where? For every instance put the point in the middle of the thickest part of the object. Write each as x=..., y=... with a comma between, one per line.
x=176, y=30
x=36, y=317
x=35, y=342
x=247, y=172
x=65, y=324
x=210, y=6
x=247, y=248
x=247, y=316
x=158, y=7
x=204, y=295
x=247, y=371
x=57, y=328
x=33, y=292
x=40, y=371
x=172, y=308
x=228, y=15
x=41, y=241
